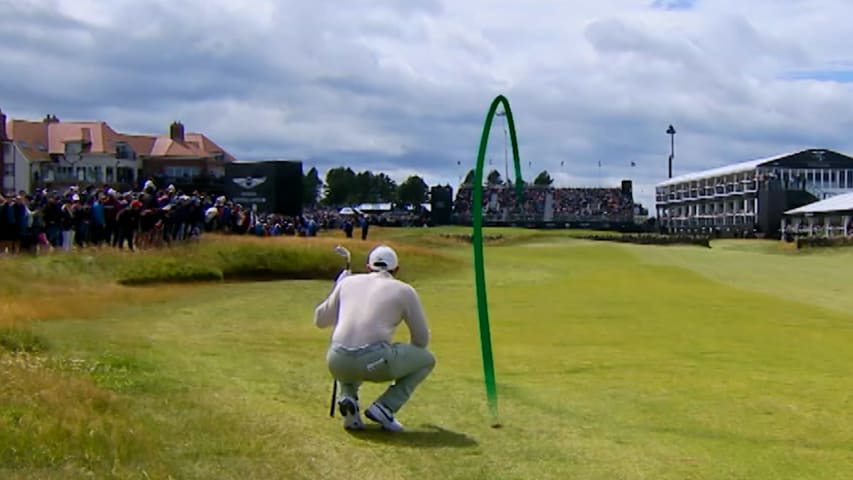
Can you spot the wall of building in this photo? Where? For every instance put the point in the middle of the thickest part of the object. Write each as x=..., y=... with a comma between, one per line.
x=15, y=169
x=89, y=168
x=160, y=167
x=742, y=201
x=829, y=225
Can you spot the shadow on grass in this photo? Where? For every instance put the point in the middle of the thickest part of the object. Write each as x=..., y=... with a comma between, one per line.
x=431, y=436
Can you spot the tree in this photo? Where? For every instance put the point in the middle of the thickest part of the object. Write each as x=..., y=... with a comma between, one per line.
x=340, y=186
x=543, y=179
x=494, y=178
x=362, y=191
x=384, y=187
x=413, y=191
x=311, y=184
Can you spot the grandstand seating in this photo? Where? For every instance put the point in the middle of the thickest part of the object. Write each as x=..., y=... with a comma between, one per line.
x=547, y=204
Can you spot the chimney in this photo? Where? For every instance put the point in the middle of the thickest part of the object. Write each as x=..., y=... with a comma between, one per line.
x=176, y=131
x=3, y=136
x=50, y=119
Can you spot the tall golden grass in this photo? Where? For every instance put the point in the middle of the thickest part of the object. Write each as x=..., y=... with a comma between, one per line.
x=87, y=282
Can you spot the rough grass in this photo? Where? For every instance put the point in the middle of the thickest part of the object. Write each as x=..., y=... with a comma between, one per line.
x=21, y=339
x=94, y=279
x=613, y=361
x=54, y=425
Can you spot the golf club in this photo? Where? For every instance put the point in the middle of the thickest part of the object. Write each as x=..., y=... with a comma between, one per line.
x=342, y=251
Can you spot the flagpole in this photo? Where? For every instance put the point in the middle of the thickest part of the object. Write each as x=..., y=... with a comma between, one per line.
x=600, y=179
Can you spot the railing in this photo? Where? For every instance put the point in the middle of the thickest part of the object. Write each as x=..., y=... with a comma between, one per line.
x=199, y=181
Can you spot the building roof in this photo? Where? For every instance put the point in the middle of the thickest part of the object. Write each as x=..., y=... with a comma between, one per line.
x=202, y=142
x=32, y=134
x=37, y=140
x=167, y=147
x=141, y=144
x=99, y=135
x=724, y=170
x=35, y=155
x=836, y=203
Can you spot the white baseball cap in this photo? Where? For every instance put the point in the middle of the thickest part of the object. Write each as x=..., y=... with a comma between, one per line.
x=382, y=257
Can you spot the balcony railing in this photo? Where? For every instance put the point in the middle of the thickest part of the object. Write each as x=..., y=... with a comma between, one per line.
x=198, y=182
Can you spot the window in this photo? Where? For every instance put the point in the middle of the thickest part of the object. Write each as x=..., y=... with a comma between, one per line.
x=124, y=175
x=849, y=178
x=124, y=152
x=73, y=148
x=182, y=172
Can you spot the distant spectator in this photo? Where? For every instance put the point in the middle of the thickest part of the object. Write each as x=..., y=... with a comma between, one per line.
x=365, y=226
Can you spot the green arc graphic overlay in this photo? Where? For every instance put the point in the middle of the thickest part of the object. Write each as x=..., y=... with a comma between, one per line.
x=477, y=240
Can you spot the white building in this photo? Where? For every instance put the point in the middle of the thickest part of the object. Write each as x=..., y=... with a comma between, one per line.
x=751, y=196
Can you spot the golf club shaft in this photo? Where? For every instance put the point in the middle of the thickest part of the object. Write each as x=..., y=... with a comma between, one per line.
x=334, y=394
x=346, y=253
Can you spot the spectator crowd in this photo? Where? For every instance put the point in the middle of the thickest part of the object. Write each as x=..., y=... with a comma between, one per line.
x=152, y=217
x=101, y=216
x=500, y=204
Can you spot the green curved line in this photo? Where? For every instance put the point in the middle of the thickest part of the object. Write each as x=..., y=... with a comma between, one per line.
x=477, y=239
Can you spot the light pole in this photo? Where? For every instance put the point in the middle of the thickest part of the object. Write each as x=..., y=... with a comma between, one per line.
x=506, y=157
x=671, y=132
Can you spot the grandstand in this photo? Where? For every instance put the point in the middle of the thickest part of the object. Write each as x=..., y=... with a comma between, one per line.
x=749, y=198
x=550, y=207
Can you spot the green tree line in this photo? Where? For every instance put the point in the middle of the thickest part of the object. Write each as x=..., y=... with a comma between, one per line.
x=343, y=186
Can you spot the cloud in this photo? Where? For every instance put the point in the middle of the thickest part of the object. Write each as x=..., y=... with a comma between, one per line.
x=403, y=86
x=674, y=4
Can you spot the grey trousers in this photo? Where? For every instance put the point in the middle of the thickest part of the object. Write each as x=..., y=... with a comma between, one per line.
x=404, y=364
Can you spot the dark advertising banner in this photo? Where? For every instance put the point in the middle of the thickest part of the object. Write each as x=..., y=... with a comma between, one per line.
x=267, y=186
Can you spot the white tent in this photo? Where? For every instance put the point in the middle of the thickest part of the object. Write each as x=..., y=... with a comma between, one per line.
x=836, y=203
x=828, y=218
x=347, y=211
x=374, y=207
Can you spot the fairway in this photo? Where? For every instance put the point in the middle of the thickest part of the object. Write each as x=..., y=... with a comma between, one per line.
x=613, y=361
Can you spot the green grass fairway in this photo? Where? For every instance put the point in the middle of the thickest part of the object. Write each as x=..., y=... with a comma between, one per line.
x=613, y=361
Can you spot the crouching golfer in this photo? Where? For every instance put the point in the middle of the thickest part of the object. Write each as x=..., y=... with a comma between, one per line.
x=365, y=309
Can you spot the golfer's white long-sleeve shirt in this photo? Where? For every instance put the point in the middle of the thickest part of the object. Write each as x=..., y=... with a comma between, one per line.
x=367, y=308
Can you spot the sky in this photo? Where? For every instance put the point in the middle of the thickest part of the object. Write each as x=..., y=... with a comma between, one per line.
x=403, y=86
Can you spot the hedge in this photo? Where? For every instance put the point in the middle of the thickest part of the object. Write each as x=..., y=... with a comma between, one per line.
x=817, y=242
x=702, y=241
